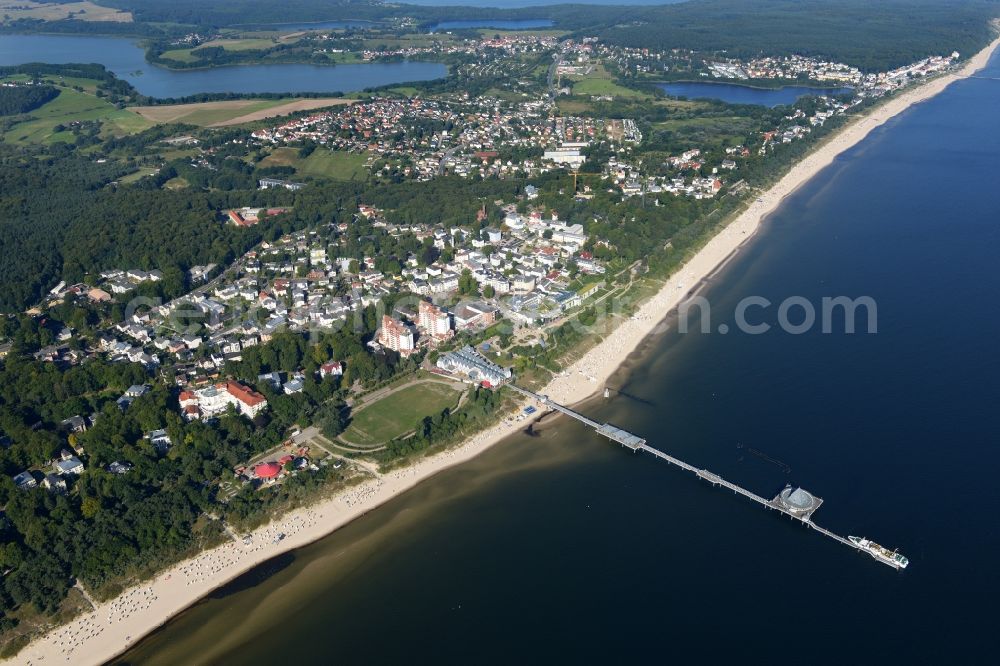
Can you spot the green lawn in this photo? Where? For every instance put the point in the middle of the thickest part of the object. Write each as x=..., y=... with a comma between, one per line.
x=399, y=413
x=72, y=106
x=322, y=163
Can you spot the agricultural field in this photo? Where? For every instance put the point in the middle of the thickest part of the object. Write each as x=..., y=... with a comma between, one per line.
x=398, y=413
x=322, y=163
x=58, y=11
x=50, y=122
x=231, y=112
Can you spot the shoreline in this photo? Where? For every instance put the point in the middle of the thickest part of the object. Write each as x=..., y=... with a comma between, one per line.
x=116, y=625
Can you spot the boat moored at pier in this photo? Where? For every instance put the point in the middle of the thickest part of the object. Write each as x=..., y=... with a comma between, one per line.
x=880, y=553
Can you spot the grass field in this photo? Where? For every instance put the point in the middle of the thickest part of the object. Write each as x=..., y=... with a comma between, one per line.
x=399, y=413
x=57, y=11
x=178, y=55
x=599, y=82
x=138, y=175
x=323, y=163
x=72, y=106
x=406, y=91
x=708, y=131
x=177, y=183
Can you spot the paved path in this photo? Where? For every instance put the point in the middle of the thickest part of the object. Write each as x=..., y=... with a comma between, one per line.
x=86, y=595
x=328, y=446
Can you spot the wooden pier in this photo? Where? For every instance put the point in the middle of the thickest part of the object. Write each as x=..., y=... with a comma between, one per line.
x=795, y=503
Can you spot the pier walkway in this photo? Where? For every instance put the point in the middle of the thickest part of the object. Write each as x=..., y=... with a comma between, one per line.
x=795, y=503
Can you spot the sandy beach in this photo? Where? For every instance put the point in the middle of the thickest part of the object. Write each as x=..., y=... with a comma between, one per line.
x=112, y=627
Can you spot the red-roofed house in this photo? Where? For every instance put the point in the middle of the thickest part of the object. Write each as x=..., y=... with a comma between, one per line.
x=331, y=368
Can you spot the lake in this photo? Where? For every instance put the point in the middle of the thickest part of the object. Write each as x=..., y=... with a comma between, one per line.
x=737, y=94
x=128, y=61
x=565, y=548
x=519, y=4
x=496, y=24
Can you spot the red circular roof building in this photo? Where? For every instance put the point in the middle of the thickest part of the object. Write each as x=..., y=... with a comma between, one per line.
x=267, y=470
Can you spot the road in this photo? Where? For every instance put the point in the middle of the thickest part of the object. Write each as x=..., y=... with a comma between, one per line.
x=551, y=78
x=444, y=158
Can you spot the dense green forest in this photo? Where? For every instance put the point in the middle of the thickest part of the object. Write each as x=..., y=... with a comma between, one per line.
x=868, y=35
x=865, y=34
x=21, y=99
x=61, y=219
x=262, y=12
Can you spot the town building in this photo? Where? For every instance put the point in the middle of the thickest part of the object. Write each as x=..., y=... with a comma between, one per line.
x=468, y=363
x=214, y=400
x=469, y=315
x=331, y=369
x=268, y=183
x=433, y=321
x=396, y=336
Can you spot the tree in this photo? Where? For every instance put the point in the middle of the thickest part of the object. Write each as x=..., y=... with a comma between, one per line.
x=11, y=556
x=330, y=418
x=467, y=284
x=90, y=507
